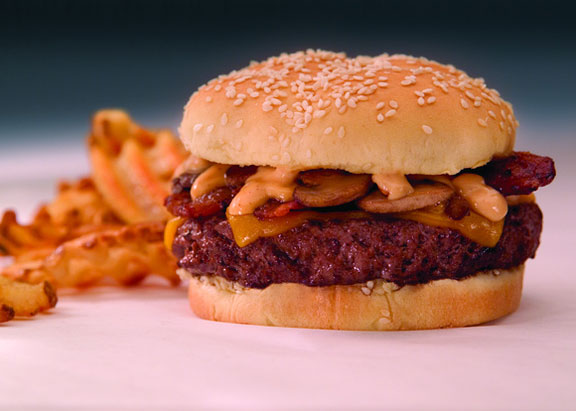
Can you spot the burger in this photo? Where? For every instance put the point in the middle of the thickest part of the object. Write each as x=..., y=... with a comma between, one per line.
x=367, y=193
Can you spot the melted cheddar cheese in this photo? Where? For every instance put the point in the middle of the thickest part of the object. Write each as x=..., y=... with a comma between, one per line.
x=474, y=226
x=170, y=231
x=247, y=228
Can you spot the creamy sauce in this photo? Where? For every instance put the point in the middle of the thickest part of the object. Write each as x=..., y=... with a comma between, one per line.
x=483, y=199
x=394, y=186
x=211, y=178
x=277, y=183
x=192, y=164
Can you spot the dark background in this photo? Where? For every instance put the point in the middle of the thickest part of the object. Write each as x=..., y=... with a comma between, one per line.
x=62, y=60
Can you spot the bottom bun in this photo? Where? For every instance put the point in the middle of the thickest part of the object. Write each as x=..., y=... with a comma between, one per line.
x=373, y=306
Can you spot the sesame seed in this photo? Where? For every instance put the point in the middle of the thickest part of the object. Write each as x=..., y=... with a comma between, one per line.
x=197, y=127
x=239, y=123
x=393, y=104
x=210, y=128
x=313, y=80
x=341, y=132
x=308, y=154
x=230, y=92
x=366, y=291
x=327, y=130
x=380, y=117
x=427, y=129
x=482, y=122
x=224, y=119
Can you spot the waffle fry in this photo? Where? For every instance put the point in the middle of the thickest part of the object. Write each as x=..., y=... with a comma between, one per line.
x=126, y=254
x=131, y=166
x=21, y=299
x=77, y=209
x=108, y=226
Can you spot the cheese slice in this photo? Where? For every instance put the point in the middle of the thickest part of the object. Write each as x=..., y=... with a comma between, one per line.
x=247, y=228
x=170, y=231
x=474, y=226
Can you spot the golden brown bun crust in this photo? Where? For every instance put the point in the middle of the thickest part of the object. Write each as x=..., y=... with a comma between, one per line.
x=365, y=115
x=443, y=303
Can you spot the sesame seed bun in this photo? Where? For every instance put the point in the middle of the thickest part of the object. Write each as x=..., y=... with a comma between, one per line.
x=480, y=298
x=315, y=109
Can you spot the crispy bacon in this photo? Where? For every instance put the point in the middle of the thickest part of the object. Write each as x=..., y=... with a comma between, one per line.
x=274, y=208
x=183, y=182
x=236, y=176
x=209, y=204
x=520, y=173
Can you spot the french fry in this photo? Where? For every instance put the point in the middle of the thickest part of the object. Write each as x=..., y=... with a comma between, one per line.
x=126, y=254
x=77, y=209
x=107, y=226
x=131, y=166
x=26, y=299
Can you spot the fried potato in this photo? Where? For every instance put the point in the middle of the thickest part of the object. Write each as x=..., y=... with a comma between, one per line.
x=77, y=209
x=21, y=299
x=126, y=254
x=131, y=166
x=107, y=226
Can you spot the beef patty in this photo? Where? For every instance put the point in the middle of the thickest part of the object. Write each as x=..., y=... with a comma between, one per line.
x=333, y=252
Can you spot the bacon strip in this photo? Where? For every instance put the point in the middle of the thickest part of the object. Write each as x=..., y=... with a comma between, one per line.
x=520, y=173
x=182, y=205
x=274, y=208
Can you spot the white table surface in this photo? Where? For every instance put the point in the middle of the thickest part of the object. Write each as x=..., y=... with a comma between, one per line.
x=142, y=348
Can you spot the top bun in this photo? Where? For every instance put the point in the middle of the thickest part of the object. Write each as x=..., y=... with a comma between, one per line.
x=318, y=109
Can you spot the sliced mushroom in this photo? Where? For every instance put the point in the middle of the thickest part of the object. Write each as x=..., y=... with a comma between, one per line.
x=424, y=195
x=326, y=188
